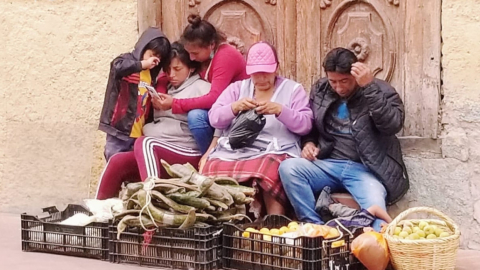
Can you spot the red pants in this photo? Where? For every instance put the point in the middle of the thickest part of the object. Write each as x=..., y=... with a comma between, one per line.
x=142, y=163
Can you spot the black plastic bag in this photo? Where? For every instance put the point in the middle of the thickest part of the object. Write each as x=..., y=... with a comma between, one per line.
x=245, y=129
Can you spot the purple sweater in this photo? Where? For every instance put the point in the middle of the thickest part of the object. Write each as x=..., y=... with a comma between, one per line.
x=296, y=115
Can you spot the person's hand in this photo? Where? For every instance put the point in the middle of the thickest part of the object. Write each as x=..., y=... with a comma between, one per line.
x=243, y=104
x=269, y=108
x=310, y=151
x=156, y=103
x=363, y=75
x=202, y=162
x=166, y=102
x=150, y=62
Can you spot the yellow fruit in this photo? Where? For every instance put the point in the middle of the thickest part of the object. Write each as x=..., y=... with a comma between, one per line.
x=414, y=236
x=275, y=232
x=444, y=234
x=333, y=233
x=264, y=230
x=415, y=229
x=283, y=230
x=403, y=234
x=422, y=225
x=407, y=229
x=422, y=238
x=246, y=234
x=438, y=232
x=431, y=236
x=421, y=234
x=429, y=230
x=398, y=230
x=337, y=244
x=293, y=223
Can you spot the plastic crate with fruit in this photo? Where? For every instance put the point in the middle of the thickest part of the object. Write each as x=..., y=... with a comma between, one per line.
x=274, y=244
x=194, y=248
x=47, y=234
x=427, y=244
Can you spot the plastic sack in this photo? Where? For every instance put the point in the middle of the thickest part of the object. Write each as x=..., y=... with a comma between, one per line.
x=371, y=250
x=79, y=219
x=103, y=210
x=245, y=129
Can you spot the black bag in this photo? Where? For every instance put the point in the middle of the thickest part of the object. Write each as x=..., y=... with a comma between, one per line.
x=245, y=128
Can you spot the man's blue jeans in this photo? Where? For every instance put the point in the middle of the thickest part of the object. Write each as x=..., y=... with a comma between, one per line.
x=303, y=180
x=200, y=127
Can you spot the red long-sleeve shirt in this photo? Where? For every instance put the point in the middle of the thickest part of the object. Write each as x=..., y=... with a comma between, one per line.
x=227, y=66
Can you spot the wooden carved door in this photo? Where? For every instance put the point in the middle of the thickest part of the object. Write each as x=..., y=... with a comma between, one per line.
x=244, y=22
x=398, y=39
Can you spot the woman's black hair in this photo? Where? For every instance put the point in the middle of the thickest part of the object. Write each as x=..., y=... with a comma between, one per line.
x=179, y=52
x=201, y=32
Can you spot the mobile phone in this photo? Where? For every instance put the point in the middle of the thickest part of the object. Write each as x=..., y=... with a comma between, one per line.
x=152, y=91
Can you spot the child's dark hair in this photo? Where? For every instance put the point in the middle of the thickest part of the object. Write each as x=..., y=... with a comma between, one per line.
x=201, y=32
x=161, y=47
x=179, y=52
x=339, y=60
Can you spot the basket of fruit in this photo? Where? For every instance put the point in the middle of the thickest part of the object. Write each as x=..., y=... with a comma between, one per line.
x=427, y=244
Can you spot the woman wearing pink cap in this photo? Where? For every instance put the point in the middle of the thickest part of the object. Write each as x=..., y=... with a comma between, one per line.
x=285, y=105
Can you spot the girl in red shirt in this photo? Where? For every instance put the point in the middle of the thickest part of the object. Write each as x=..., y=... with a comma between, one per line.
x=221, y=65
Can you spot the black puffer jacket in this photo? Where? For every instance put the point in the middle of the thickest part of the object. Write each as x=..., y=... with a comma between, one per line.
x=377, y=114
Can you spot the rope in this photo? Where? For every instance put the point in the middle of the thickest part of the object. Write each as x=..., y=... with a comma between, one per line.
x=148, y=186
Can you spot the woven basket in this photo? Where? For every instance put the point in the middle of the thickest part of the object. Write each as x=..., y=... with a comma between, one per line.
x=425, y=254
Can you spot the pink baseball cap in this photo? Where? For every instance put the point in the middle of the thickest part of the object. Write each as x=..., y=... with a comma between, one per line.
x=261, y=58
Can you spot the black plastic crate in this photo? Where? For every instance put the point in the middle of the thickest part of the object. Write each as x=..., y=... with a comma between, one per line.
x=46, y=235
x=304, y=253
x=196, y=248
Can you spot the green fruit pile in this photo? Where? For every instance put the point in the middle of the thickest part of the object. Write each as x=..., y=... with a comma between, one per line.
x=423, y=231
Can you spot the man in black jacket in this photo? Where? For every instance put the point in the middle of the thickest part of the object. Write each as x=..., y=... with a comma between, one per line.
x=352, y=145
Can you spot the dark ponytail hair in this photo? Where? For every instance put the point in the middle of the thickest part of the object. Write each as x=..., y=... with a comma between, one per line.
x=179, y=52
x=201, y=32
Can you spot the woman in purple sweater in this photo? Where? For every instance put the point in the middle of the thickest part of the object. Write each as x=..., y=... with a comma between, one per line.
x=285, y=105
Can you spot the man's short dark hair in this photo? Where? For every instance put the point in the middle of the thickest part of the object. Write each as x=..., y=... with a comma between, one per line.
x=339, y=60
x=160, y=46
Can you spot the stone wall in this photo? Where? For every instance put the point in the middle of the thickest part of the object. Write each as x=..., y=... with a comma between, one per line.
x=54, y=59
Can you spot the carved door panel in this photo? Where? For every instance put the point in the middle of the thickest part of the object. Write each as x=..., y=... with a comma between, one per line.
x=244, y=22
x=400, y=41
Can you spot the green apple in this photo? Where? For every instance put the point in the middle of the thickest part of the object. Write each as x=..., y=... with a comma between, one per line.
x=444, y=234
x=431, y=236
x=407, y=229
x=416, y=229
x=398, y=230
x=422, y=224
x=438, y=232
x=421, y=234
x=403, y=234
x=429, y=230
